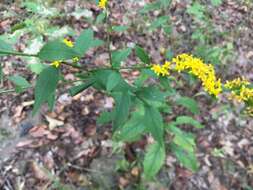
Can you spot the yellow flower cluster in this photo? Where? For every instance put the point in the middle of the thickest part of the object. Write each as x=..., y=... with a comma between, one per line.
x=68, y=43
x=56, y=64
x=236, y=83
x=161, y=69
x=240, y=90
x=102, y=4
x=195, y=66
x=205, y=72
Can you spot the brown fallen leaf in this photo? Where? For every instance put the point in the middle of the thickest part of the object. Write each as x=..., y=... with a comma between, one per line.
x=53, y=122
x=38, y=171
x=24, y=143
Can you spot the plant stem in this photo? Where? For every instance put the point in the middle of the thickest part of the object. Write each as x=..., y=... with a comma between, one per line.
x=108, y=33
x=18, y=53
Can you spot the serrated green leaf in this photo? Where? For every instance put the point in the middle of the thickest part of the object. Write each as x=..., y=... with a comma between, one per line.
x=123, y=103
x=141, y=53
x=20, y=83
x=188, y=103
x=158, y=22
x=105, y=117
x=133, y=129
x=113, y=80
x=86, y=41
x=187, y=159
x=182, y=139
x=56, y=50
x=151, y=93
x=154, y=123
x=45, y=86
x=188, y=120
x=5, y=47
x=79, y=88
x=153, y=160
x=120, y=56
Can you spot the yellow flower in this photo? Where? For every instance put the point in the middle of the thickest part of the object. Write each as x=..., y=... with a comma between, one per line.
x=239, y=90
x=75, y=59
x=161, y=69
x=56, y=63
x=236, y=83
x=205, y=72
x=68, y=43
x=102, y=4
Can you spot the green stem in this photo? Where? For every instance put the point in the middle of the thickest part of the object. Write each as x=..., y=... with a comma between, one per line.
x=17, y=53
x=108, y=33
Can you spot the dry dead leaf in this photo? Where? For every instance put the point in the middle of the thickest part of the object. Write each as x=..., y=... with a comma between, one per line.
x=24, y=143
x=38, y=171
x=53, y=122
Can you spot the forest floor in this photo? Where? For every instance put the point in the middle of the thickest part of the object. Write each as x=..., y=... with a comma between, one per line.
x=67, y=149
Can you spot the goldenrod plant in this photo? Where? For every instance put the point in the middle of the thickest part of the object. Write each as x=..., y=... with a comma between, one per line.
x=140, y=105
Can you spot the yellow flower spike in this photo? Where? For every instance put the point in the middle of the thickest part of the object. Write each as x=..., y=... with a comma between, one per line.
x=68, y=43
x=102, y=4
x=56, y=64
x=205, y=72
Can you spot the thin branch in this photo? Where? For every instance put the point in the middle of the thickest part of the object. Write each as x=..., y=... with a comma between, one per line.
x=17, y=53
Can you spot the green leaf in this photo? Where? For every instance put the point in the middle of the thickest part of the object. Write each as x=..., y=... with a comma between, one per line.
x=56, y=50
x=20, y=82
x=197, y=10
x=105, y=117
x=165, y=3
x=1, y=74
x=86, y=41
x=123, y=103
x=45, y=86
x=188, y=120
x=153, y=160
x=113, y=80
x=154, y=123
x=79, y=88
x=100, y=18
x=132, y=130
x=160, y=21
x=120, y=56
x=151, y=93
x=36, y=67
x=150, y=7
x=182, y=139
x=216, y=3
x=5, y=47
x=188, y=103
x=141, y=53
x=119, y=28
x=187, y=159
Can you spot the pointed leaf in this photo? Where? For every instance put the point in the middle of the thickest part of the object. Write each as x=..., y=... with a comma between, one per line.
x=123, y=103
x=45, y=86
x=56, y=50
x=113, y=80
x=154, y=123
x=141, y=53
x=188, y=103
x=153, y=160
x=188, y=120
x=120, y=56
